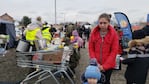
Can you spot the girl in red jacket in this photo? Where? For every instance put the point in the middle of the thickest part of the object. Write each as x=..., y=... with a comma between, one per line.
x=103, y=45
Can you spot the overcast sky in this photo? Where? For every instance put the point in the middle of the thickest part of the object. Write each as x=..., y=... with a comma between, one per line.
x=74, y=10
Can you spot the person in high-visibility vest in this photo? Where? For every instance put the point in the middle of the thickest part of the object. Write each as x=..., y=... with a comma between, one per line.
x=46, y=33
x=32, y=33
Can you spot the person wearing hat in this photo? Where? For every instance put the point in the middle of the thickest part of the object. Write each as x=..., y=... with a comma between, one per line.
x=92, y=74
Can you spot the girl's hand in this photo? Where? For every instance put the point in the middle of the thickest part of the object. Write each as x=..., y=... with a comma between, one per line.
x=100, y=67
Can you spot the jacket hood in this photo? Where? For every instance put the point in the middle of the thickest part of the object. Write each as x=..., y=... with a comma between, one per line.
x=75, y=33
x=32, y=26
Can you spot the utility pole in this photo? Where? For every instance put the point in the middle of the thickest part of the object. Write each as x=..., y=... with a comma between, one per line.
x=55, y=14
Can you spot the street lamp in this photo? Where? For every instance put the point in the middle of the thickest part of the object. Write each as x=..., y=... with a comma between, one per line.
x=55, y=13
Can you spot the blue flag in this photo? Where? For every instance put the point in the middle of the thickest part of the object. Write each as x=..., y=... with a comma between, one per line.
x=125, y=26
x=147, y=17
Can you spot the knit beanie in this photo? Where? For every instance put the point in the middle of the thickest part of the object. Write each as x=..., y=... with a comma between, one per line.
x=92, y=72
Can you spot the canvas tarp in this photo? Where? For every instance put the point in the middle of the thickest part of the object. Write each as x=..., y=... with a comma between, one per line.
x=8, y=28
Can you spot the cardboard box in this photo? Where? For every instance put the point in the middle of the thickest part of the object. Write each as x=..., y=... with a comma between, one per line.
x=53, y=57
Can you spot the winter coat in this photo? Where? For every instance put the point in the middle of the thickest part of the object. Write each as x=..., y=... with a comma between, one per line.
x=136, y=71
x=104, y=49
x=138, y=34
x=77, y=38
x=146, y=30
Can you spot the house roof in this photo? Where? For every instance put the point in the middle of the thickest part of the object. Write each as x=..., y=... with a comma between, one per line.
x=6, y=18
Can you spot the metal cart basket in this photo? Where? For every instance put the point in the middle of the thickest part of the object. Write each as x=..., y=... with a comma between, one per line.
x=47, y=64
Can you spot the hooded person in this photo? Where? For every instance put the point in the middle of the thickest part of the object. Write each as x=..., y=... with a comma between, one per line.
x=39, y=21
x=32, y=33
x=137, y=47
x=137, y=63
x=77, y=39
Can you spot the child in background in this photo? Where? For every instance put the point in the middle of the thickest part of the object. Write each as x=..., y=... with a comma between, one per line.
x=137, y=63
x=77, y=40
x=92, y=73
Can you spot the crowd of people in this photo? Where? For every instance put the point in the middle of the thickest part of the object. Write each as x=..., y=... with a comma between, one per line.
x=38, y=30
x=104, y=44
x=65, y=35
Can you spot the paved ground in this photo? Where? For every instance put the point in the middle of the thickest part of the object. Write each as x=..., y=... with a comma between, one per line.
x=10, y=72
x=117, y=76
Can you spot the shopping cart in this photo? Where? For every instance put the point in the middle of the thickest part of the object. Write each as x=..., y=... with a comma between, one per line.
x=47, y=64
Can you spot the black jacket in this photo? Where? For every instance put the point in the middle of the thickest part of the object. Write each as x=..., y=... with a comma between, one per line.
x=146, y=30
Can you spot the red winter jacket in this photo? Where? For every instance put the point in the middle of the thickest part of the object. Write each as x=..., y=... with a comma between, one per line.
x=105, y=50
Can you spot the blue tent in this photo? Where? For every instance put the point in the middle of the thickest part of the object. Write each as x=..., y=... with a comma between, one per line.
x=8, y=28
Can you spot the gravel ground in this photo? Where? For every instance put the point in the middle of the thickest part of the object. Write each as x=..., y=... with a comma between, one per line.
x=11, y=73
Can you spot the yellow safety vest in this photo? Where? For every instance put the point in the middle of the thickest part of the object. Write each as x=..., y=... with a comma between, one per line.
x=31, y=35
x=46, y=34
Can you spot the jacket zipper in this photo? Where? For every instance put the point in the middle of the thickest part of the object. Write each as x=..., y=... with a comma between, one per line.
x=101, y=50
